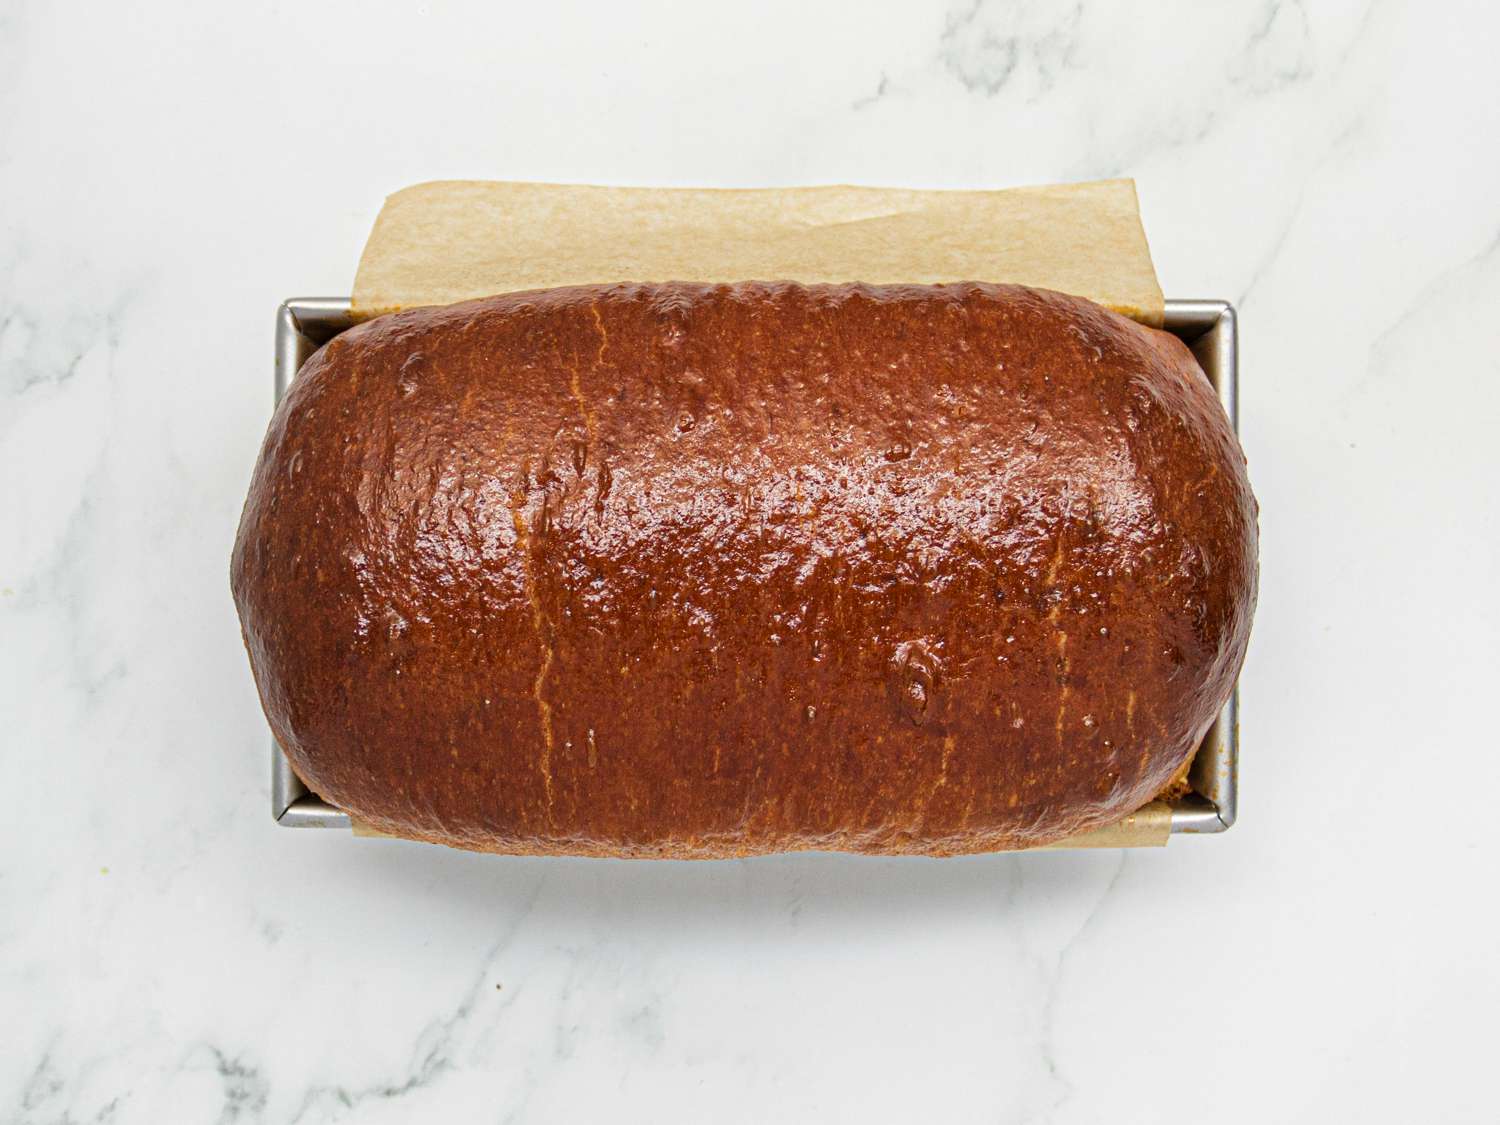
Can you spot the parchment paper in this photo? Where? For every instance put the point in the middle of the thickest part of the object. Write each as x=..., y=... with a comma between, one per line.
x=446, y=241
x=1148, y=827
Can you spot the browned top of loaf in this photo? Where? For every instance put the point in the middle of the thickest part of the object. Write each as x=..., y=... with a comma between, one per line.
x=695, y=570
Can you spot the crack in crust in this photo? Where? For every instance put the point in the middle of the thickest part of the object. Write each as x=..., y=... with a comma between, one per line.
x=539, y=623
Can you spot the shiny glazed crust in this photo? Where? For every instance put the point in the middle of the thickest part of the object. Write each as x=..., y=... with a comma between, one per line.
x=687, y=570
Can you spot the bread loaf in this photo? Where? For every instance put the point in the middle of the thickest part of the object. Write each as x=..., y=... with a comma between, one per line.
x=686, y=570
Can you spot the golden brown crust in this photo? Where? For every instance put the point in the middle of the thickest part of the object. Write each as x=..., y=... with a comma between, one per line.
x=690, y=570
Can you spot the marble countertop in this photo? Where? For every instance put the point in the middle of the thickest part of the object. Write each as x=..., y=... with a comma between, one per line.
x=170, y=172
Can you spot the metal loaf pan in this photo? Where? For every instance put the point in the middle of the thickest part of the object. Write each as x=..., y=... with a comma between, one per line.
x=303, y=324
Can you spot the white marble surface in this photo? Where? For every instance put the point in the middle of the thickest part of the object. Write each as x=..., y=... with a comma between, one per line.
x=170, y=171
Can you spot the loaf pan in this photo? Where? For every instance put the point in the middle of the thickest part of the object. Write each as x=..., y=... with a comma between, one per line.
x=303, y=324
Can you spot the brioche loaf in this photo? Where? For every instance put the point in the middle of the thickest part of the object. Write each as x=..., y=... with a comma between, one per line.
x=692, y=570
